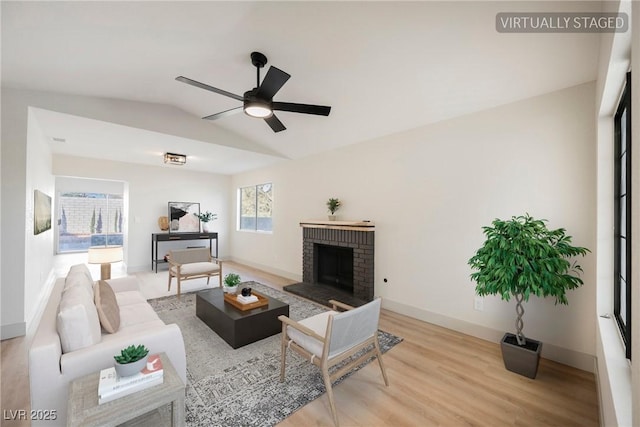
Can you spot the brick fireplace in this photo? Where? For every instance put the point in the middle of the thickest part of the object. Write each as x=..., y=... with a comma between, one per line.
x=335, y=241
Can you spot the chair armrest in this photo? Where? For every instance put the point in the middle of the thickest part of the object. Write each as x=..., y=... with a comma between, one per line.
x=172, y=262
x=338, y=304
x=301, y=328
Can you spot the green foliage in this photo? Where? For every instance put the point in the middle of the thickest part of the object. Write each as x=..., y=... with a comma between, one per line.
x=206, y=216
x=333, y=205
x=131, y=354
x=231, y=280
x=522, y=256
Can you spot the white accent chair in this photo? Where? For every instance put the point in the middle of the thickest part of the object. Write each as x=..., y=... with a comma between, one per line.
x=328, y=338
x=193, y=263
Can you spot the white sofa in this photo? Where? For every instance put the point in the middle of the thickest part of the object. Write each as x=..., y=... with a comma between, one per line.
x=51, y=369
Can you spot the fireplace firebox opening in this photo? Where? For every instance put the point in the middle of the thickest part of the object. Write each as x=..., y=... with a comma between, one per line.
x=334, y=266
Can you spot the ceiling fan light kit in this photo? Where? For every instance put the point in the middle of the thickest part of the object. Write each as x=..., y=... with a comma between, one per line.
x=175, y=159
x=258, y=102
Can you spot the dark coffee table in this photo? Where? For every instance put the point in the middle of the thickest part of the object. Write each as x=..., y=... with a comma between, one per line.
x=238, y=327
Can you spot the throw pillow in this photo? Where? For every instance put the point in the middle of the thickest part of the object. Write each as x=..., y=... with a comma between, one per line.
x=77, y=321
x=107, y=306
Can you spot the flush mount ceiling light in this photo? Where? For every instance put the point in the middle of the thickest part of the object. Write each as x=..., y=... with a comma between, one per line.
x=175, y=159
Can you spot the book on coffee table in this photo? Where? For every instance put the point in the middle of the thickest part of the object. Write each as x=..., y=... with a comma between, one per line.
x=111, y=386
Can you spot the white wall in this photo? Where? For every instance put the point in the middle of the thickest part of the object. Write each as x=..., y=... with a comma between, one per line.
x=38, y=265
x=22, y=168
x=614, y=373
x=150, y=188
x=14, y=221
x=429, y=192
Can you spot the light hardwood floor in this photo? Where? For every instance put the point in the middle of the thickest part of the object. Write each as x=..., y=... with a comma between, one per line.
x=437, y=377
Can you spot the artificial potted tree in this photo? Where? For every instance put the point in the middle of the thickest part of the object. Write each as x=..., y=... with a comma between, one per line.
x=205, y=218
x=333, y=204
x=519, y=258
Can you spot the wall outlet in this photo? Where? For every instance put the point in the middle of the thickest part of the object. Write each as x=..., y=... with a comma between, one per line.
x=478, y=304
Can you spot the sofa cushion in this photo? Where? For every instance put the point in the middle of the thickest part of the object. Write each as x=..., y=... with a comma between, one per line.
x=129, y=297
x=136, y=313
x=77, y=320
x=107, y=306
x=79, y=275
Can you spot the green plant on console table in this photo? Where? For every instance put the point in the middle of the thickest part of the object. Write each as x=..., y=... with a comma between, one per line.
x=231, y=280
x=131, y=354
x=206, y=216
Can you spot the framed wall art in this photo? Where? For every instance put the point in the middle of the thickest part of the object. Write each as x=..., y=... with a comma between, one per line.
x=41, y=212
x=182, y=218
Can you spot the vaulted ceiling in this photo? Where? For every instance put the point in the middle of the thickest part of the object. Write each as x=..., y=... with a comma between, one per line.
x=384, y=67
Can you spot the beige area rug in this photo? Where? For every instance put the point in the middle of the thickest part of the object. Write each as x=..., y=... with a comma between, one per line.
x=154, y=285
x=227, y=387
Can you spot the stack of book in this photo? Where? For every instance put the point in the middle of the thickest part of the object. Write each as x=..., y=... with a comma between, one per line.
x=248, y=299
x=112, y=387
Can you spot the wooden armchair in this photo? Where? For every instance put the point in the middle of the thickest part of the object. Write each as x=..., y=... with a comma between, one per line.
x=195, y=263
x=328, y=338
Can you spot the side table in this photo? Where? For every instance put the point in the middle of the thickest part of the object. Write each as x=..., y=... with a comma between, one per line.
x=84, y=410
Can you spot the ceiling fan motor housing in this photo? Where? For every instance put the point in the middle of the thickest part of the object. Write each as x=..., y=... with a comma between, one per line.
x=255, y=106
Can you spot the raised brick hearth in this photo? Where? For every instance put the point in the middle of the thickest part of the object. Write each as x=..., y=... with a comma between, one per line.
x=358, y=236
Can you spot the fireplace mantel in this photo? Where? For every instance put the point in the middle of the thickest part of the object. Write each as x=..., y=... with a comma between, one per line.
x=339, y=225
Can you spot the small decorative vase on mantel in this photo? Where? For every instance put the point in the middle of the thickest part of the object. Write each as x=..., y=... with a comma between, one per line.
x=332, y=217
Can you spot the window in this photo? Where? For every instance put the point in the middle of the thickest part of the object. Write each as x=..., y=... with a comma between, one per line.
x=622, y=217
x=255, y=207
x=89, y=219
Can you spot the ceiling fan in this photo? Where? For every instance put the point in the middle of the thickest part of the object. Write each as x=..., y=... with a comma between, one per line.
x=258, y=102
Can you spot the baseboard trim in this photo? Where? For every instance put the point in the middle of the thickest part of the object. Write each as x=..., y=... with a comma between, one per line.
x=32, y=324
x=13, y=330
x=576, y=359
x=268, y=269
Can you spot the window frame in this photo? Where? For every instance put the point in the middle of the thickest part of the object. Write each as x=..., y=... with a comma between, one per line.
x=624, y=324
x=239, y=215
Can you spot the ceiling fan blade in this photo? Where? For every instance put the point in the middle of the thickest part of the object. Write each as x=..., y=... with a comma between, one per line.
x=272, y=83
x=222, y=114
x=209, y=88
x=275, y=123
x=319, y=110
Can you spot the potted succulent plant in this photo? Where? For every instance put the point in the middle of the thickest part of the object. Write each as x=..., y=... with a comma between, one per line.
x=519, y=258
x=131, y=360
x=231, y=282
x=333, y=204
x=205, y=218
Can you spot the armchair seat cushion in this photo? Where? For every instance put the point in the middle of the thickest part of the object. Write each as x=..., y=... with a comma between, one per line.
x=194, y=268
x=317, y=324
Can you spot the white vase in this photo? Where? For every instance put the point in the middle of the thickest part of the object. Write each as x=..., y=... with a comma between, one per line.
x=230, y=289
x=206, y=227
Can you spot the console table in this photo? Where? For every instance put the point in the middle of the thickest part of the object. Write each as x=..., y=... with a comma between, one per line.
x=170, y=237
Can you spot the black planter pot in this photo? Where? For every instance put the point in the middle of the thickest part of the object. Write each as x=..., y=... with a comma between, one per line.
x=522, y=360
